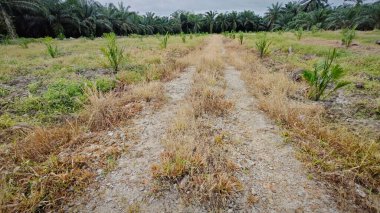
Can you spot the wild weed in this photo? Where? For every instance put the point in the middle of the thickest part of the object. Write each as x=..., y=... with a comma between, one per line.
x=241, y=38
x=24, y=43
x=113, y=52
x=323, y=75
x=348, y=36
x=183, y=37
x=298, y=33
x=314, y=29
x=61, y=36
x=52, y=48
x=164, y=41
x=263, y=45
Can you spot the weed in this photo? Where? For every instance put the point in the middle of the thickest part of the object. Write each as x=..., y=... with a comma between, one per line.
x=105, y=84
x=52, y=48
x=314, y=29
x=183, y=37
x=298, y=33
x=24, y=43
x=241, y=37
x=164, y=41
x=348, y=36
x=263, y=46
x=61, y=36
x=113, y=52
x=3, y=92
x=323, y=75
x=64, y=96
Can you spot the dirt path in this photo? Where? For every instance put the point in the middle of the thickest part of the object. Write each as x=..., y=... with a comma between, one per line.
x=270, y=171
x=129, y=183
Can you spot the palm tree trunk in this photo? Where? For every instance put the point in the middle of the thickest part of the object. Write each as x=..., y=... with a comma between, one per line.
x=8, y=23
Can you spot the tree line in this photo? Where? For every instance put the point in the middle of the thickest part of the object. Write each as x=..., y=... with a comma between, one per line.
x=75, y=18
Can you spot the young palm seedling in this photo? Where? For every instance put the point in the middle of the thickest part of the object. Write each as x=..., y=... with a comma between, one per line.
x=263, y=45
x=299, y=33
x=183, y=37
x=52, y=48
x=24, y=43
x=164, y=41
x=241, y=38
x=113, y=52
x=323, y=75
x=348, y=36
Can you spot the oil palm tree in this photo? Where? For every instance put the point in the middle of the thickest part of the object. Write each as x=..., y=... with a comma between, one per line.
x=273, y=14
x=210, y=20
x=8, y=6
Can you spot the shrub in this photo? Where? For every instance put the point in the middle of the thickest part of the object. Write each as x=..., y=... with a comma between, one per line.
x=183, y=37
x=241, y=37
x=61, y=36
x=164, y=41
x=299, y=33
x=64, y=96
x=24, y=43
x=347, y=36
x=52, y=49
x=113, y=52
x=191, y=36
x=263, y=46
x=314, y=29
x=129, y=77
x=323, y=75
x=105, y=84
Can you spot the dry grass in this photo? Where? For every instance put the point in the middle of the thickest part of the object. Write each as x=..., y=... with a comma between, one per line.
x=46, y=167
x=345, y=159
x=194, y=159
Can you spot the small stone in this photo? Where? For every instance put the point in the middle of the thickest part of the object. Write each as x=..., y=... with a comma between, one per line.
x=230, y=210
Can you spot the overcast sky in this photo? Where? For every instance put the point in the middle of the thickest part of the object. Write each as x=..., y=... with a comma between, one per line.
x=167, y=7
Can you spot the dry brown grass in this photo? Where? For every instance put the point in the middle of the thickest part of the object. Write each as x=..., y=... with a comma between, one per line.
x=49, y=166
x=338, y=155
x=193, y=159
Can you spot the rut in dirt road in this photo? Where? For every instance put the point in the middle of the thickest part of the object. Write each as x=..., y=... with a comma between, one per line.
x=130, y=183
x=270, y=171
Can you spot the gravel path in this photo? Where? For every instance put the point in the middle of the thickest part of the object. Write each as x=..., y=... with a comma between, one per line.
x=129, y=183
x=270, y=172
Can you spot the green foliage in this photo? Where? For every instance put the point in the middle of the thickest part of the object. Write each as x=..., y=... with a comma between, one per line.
x=314, y=29
x=24, y=43
x=105, y=84
x=323, y=75
x=52, y=48
x=262, y=45
x=241, y=37
x=33, y=87
x=64, y=96
x=183, y=37
x=164, y=41
x=61, y=36
x=6, y=121
x=191, y=36
x=348, y=36
x=113, y=52
x=129, y=77
x=3, y=92
x=298, y=33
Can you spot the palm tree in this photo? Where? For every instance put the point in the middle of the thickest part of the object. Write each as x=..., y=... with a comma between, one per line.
x=309, y=5
x=196, y=21
x=249, y=20
x=233, y=19
x=222, y=22
x=273, y=14
x=210, y=19
x=8, y=6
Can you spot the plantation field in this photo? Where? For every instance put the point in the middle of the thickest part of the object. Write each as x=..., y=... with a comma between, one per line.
x=191, y=123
